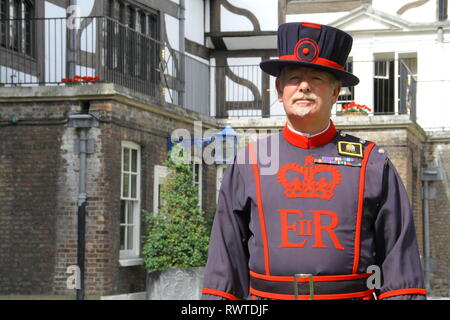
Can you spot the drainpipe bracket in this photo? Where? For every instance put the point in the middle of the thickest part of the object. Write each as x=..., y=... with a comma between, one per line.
x=90, y=146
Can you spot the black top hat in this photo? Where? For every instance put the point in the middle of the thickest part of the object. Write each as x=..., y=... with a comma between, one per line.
x=312, y=45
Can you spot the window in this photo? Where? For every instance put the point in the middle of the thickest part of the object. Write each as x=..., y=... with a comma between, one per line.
x=160, y=175
x=220, y=171
x=130, y=201
x=407, y=85
x=442, y=10
x=197, y=180
x=16, y=26
x=395, y=84
x=159, y=178
x=347, y=94
x=382, y=69
x=384, y=90
x=132, y=54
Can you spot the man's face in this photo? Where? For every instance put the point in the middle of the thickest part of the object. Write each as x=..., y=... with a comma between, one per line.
x=307, y=93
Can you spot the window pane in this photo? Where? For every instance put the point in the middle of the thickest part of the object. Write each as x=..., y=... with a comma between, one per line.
x=161, y=201
x=122, y=212
x=381, y=68
x=130, y=212
x=133, y=186
x=143, y=23
x=134, y=160
x=122, y=238
x=130, y=238
x=196, y=173
x=126, y=185
x=126, y=159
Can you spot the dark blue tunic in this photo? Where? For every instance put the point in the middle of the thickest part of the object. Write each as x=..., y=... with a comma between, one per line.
x=331, y=206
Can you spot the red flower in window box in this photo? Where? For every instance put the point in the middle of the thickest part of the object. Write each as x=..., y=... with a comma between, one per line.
x=76, y=79
x=353, y=107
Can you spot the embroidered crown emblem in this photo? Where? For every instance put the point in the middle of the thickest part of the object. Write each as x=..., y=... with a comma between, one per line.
x=311, y=185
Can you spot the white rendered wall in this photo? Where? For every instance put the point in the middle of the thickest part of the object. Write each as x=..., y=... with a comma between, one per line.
x=195, y=21
x=321, y=18
x=433, y=110
x=266, y=12
x=423, y=14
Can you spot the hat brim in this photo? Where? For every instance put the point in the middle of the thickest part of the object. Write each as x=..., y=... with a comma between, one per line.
x=274, y=66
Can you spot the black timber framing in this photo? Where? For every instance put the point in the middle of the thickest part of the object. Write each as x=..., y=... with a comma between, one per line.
x=220, y=74
x=317, y=6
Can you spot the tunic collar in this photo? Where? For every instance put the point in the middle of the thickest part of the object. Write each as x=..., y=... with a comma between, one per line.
x=301, y=141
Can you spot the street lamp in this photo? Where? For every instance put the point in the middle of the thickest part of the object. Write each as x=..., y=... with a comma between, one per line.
x=225, y=145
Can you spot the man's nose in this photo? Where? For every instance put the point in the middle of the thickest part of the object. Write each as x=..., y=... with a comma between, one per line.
x=304, y=86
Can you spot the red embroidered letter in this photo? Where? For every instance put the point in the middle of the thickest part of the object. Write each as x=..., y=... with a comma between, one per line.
x=318, y=228
x=285, y=227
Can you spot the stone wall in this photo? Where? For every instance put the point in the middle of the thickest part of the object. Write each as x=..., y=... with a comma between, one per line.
x=30, y=167
x=438, y=155
x=39, y=184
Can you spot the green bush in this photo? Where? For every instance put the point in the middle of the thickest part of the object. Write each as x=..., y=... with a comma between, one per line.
x=178, y=235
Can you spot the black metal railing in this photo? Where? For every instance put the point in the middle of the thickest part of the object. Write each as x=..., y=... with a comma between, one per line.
x=100, y=49
x=56, y=51
x=245, y=91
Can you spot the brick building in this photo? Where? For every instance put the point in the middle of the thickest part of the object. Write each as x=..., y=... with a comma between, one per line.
x=39, y=184
x=201, y=64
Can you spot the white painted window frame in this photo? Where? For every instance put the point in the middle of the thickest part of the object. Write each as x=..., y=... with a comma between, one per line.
x=220, y=171
x=160, y=173
x=131, y=257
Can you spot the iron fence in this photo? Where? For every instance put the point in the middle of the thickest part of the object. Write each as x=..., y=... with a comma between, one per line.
x=99, y=49
x=56, y=51
x=245, y=91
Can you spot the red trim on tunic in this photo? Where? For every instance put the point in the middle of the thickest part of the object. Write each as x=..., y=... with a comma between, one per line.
x=280, y=296
x=400, y=292
x=362, y=180
x=309, y=143
x=262, y=222
x=219, y=293
x=315, y=278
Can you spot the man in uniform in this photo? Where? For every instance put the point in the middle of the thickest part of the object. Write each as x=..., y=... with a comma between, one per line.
x=335, y=207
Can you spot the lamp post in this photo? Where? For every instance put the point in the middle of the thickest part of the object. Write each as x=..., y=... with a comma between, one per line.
x=225, y=145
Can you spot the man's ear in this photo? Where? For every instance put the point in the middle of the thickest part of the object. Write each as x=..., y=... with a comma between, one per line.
x=279, y=88
x=336, y=91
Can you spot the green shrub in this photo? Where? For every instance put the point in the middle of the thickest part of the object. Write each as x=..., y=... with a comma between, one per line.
x=178, y=236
